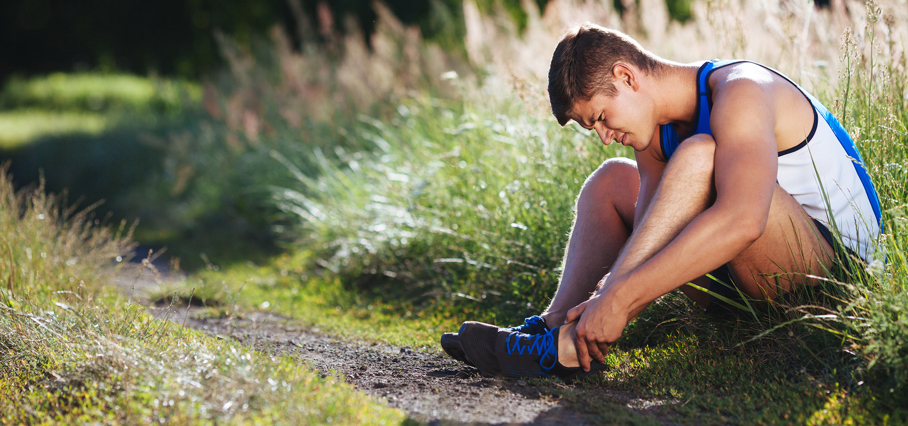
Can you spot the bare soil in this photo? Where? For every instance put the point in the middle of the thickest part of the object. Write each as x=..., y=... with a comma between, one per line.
x=430, y=388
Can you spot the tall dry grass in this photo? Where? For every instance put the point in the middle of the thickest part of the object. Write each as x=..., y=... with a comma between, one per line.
x=795, y=37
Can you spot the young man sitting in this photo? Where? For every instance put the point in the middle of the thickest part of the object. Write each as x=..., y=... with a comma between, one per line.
x=739, y=173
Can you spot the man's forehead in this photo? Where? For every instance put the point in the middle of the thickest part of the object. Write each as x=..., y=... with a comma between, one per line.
x=581, y=112
x=571, y=114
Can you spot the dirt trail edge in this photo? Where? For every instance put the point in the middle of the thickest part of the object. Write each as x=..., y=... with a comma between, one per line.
x=429, y=388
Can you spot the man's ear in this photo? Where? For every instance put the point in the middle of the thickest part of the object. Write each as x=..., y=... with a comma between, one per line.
x=625, y=75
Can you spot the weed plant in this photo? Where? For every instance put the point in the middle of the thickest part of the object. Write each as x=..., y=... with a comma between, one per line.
x=873, y=104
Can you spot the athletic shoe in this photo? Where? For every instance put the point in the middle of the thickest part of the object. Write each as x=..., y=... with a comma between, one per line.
x=499, y=352
x=450, y=342
x=532, y=325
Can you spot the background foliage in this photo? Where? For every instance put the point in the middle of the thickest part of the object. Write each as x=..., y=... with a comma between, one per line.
x=176, y=38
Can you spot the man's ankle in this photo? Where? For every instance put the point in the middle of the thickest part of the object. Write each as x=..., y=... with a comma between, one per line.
x=567, y=350
x=552, y=319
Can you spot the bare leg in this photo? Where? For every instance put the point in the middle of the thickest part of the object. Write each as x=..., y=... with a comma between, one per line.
x=685, y=191
x=605, y=217
x=789, y=247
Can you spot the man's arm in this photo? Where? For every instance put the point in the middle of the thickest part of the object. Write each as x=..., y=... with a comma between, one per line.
x=661, y=256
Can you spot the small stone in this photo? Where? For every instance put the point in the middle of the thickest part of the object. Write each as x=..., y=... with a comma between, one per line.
x=521, y=383
x=379, y=385
x=462, y=375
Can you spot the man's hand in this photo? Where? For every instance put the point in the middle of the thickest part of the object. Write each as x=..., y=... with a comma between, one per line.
x=600, y=324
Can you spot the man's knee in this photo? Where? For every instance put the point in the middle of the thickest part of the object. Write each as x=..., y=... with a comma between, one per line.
x=615, y=178
x=696, y=155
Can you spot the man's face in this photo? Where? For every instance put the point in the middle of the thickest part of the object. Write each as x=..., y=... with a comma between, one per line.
x=621, y=118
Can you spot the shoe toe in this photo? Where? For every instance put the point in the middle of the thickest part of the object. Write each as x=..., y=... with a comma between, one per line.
x=450, y=343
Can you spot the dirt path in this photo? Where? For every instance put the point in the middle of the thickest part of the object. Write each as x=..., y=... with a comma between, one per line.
x=430, y=388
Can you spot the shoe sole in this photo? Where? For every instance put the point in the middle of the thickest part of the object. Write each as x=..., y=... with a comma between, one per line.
x=574, y=376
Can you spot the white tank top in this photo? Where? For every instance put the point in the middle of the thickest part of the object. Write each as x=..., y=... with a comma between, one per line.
x=821, y=165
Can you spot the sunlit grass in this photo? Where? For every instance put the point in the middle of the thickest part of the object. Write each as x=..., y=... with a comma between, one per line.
x=63, y=104
x=22, y=126
x=98, y=91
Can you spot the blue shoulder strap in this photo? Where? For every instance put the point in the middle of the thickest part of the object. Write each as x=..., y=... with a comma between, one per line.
x=668, y=137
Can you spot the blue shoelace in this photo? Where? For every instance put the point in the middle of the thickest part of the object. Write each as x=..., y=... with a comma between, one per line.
x=541, y=344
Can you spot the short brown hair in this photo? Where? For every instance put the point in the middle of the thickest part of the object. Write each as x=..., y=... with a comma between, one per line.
x=582, y=65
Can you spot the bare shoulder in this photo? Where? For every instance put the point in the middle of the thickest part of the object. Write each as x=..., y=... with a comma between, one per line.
x=745, y=102
x=749, y=99
x=745, y=81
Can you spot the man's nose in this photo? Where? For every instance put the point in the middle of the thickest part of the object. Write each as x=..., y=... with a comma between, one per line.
x=604, y=134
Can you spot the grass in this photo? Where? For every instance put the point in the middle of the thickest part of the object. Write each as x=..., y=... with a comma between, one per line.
x=22, y=126
x=99, y=92
x=87, y=103
x=446, y=221
x=74, y=351
x=875, y=111
x=703, y=366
